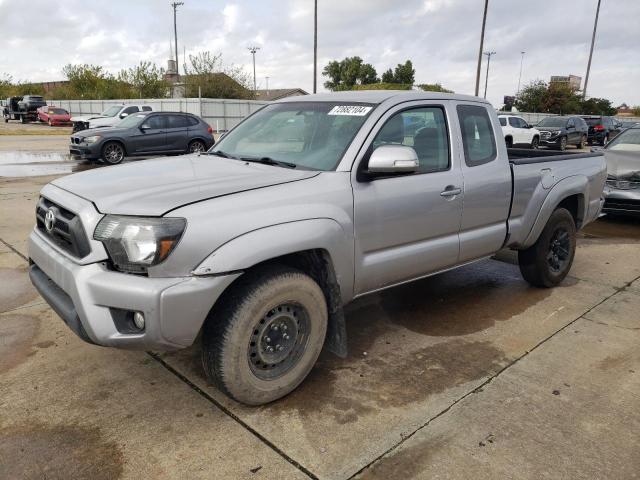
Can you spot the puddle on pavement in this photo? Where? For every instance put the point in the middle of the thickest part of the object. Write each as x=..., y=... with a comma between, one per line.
x=30, y=164
x=41, y=451
x=16, y=288
x=16, y=336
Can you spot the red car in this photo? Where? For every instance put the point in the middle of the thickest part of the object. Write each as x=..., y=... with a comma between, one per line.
x=54, y=115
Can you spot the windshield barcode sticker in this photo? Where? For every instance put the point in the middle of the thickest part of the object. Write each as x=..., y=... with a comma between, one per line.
x=356, y=110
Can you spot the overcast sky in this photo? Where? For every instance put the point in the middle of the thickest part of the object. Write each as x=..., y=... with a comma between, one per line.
x=440, y=36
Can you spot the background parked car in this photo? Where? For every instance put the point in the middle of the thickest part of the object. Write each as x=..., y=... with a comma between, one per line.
x=601, y=128
x=628, y=124
x=108, y=118
x=622, y=190
x=54, y=115
x=558, y=132
x=30, y=103
x=143, y=133
x=517, y=132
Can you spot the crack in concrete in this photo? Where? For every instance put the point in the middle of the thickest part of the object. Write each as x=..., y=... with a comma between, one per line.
x=8, y=245
x=487, y=382
x=234, y=417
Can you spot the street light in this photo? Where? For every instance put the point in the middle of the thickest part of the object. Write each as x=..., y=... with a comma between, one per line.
x=175, y=6
x=593, y=41
x=520, y=76
x=486, y=80
x=253, y=51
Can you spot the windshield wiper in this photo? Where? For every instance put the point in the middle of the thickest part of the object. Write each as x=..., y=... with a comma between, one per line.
x=269, y=161
x=220, y=153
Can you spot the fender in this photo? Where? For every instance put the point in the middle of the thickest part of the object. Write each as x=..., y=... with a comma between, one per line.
x=574, y=185
x=274, y=241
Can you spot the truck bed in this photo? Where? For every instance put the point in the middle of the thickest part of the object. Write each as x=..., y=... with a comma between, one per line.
x=539, y=176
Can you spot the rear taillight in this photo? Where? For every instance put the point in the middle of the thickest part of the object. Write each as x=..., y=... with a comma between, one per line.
x=598, y=128
x=210, y=130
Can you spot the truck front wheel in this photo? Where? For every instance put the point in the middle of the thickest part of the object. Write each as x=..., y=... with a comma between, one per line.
x=262, y=339
x=548, y=261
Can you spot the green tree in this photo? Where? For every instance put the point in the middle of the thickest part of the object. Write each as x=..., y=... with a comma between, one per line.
x=531, y=96
x=382, y=86
x=433, y=87
x=404, y=73
x=561, y=99
x=598, y=106
x=146, y=80
x=343, y=75
x=206, y=74
x=636, y=111
x=387, y=76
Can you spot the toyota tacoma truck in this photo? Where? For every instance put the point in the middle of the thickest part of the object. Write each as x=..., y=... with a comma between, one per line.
x=255, y=246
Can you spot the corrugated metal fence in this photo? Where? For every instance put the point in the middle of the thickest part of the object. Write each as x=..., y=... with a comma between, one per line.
x=221, y=114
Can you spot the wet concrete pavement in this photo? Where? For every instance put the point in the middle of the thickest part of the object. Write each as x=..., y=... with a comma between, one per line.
x=468, y=374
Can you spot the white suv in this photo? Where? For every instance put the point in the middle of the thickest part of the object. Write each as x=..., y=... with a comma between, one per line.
x=517, y=132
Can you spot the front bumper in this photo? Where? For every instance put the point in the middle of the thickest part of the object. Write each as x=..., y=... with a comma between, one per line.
x=88, y=297
x=550, y=141
x=87, y=151
x=622, y=202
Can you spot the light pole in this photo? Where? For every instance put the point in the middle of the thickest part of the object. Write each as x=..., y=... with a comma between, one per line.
x=520, y=76
x=253, y=51
x=267, y=79
x=486, y=80
x=315, y=45
x=175, y=6
x=593, y=41
x=484, y=21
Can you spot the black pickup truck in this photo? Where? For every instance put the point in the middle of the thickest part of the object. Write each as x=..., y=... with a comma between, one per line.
x=23, y=108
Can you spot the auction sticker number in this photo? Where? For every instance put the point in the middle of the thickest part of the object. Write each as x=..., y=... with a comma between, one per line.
x=355, y=110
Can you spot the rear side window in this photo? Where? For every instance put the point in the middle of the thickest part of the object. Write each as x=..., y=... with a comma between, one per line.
x=146, y=108
x=478, y=139
x=503, y=121
x=192, y=121
x=130, y=110
x=177, y=121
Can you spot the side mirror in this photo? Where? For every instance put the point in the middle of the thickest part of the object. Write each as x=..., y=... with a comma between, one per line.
x=144, y=128
x=122, y=115
x=392, y=159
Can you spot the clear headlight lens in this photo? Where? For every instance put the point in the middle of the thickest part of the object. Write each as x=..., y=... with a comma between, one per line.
x=135, y=243
x=92, y=139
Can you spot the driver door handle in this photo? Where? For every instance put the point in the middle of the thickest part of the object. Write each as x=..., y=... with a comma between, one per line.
x=451, y=191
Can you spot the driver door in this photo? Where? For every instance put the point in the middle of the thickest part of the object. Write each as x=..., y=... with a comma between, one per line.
x=150, y=136
x=407, y=225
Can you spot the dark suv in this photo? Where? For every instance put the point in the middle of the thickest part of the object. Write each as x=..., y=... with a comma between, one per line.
x=143, y=133
x=558, y=132
x=601, y=129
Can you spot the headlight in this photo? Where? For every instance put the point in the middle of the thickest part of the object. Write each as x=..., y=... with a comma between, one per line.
x=135, y=243
x=92, y=139
x=555, y=132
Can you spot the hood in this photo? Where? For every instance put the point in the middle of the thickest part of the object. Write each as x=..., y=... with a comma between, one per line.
x=623, y=165
x=86, y=118
x=153, y=187
x=100, y=131
x=547, y=129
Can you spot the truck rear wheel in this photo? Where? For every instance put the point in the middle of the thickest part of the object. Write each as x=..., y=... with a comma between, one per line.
x=548, y=261
x=265, y=335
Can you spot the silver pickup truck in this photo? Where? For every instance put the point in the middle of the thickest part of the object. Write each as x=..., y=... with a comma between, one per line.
x=307, y=204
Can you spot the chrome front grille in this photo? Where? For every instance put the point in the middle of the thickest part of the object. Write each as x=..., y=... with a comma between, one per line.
x=544, y=134
x=623, y=184
x=62, y=227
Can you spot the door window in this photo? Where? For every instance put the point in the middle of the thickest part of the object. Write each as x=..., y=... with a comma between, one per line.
x=571, y=123
x=130, y=110
x=155, y=122
x=503, y=121
x=425, y=130
x=478, y=139
x=146, y=108
x=514, y=122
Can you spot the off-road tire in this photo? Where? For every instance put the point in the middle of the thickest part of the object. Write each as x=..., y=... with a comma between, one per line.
x=535, y=264
x=230, y=330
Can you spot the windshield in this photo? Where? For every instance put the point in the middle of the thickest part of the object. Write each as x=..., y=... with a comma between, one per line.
x=627, y=141
x=553, y=122
x=311, y=135
x=131, y=121
x=57, y=111
x=112, y=111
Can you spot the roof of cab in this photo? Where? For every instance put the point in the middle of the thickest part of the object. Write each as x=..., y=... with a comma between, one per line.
x=379, y=96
